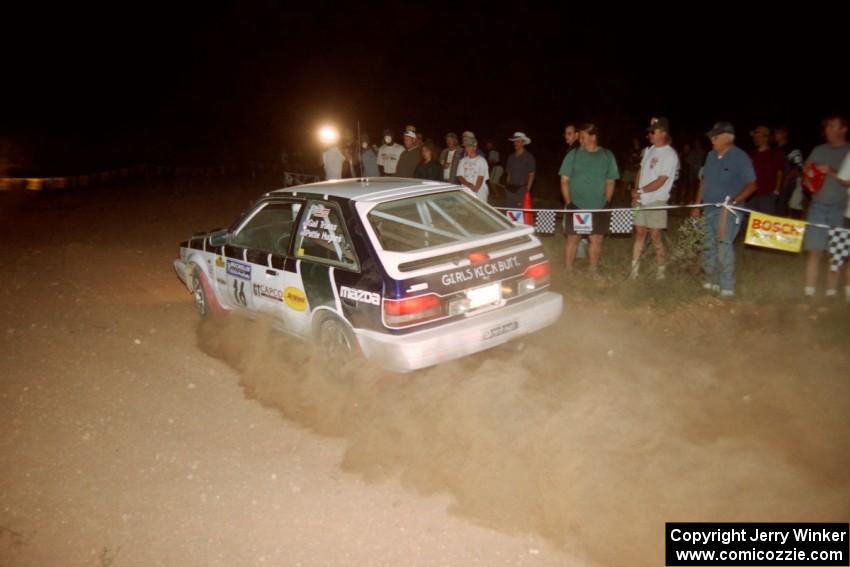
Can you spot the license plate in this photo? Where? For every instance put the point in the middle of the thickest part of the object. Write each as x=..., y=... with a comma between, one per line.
x=486, y=295
x=500, y=330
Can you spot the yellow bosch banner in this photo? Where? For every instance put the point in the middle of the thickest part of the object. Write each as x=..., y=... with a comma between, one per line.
x=775, y=232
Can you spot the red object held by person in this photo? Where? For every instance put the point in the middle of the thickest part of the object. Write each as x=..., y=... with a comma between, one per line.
x=814, y=176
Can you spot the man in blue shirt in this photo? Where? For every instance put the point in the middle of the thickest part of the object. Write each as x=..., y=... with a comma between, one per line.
x=728, y=173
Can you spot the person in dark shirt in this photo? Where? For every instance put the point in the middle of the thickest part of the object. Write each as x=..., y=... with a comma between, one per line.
x=522, y=168
x=411, y=156
x=769, y=164
x=429, y=167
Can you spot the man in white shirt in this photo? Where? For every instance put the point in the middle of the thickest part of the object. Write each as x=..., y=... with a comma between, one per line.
x=450, y=157
x=332, y=159
x=658, y=169
x=472, y=172
x=388, y=154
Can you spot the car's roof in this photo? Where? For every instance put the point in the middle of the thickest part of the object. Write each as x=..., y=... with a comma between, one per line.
x=367, y=188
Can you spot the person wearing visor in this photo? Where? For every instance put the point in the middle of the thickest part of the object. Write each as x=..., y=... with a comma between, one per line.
x=411, y=156
x=652, y=188
x=473, y=171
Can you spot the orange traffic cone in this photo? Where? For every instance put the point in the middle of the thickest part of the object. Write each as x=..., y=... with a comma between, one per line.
x=527, y=216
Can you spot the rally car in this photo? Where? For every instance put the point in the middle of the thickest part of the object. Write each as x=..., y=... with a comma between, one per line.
x=405, y=272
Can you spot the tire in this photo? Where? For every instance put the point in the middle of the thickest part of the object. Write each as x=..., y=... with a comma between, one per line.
x=206, y=300
x=336, y=340
x=200, y=295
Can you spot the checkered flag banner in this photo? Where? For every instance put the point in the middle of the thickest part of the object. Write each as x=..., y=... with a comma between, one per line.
x=544, y=222
x=839, y=247
x=622, y=221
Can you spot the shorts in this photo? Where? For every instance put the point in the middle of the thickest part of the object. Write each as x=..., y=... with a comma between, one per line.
x=652, y=219
x=514, y=195
x=817, y=238
x=587, y=223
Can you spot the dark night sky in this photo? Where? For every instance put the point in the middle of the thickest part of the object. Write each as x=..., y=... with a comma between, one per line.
x=108, y=87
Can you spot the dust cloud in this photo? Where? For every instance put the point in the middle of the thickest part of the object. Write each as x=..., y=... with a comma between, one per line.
x=599, y=431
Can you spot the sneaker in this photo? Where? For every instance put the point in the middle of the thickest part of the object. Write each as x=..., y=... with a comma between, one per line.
x=659, y=273
x=727, y=293
x=633, y=275
x=710, y=287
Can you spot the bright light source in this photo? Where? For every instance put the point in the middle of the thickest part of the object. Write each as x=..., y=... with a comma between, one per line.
x=328, y=135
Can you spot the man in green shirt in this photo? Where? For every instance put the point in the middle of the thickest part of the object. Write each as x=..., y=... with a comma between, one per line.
x=588, y=174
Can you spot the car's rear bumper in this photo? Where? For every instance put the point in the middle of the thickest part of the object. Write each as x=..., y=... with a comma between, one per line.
x=404, y=353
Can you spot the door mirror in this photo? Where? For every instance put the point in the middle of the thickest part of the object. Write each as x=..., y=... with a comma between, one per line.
x=219, y=237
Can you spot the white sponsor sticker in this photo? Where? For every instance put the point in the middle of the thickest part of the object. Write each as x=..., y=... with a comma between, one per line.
x=516, y=216
x=239, y=270
x=480, y=271
x=583, y=223
x=268, y=292
x=359, y=295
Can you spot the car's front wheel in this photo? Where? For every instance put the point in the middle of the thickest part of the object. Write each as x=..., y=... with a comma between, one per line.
x=199, y=293
x=204, y=295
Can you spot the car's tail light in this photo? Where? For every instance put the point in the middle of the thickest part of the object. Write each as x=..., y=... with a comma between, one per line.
x=402, y=312
x=536, y=276
x=539, y=271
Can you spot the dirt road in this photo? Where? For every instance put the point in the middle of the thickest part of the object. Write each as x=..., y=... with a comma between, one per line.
x=132, y=435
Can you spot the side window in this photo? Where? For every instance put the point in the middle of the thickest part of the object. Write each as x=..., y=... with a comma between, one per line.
x=268, y=229
x=322, y=236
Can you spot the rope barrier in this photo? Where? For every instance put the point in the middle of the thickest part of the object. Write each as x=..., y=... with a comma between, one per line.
x=734, y=209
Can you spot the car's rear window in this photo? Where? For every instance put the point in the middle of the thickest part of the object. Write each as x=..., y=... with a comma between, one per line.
x=421, y=222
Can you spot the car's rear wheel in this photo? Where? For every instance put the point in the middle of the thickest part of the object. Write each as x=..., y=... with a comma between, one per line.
x=336, y=341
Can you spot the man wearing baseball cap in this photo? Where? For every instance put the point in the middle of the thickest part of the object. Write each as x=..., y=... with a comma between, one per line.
x=653, y=184
x=728, y=174
x=411, y=156
x=521, y=170
x=473, y=172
